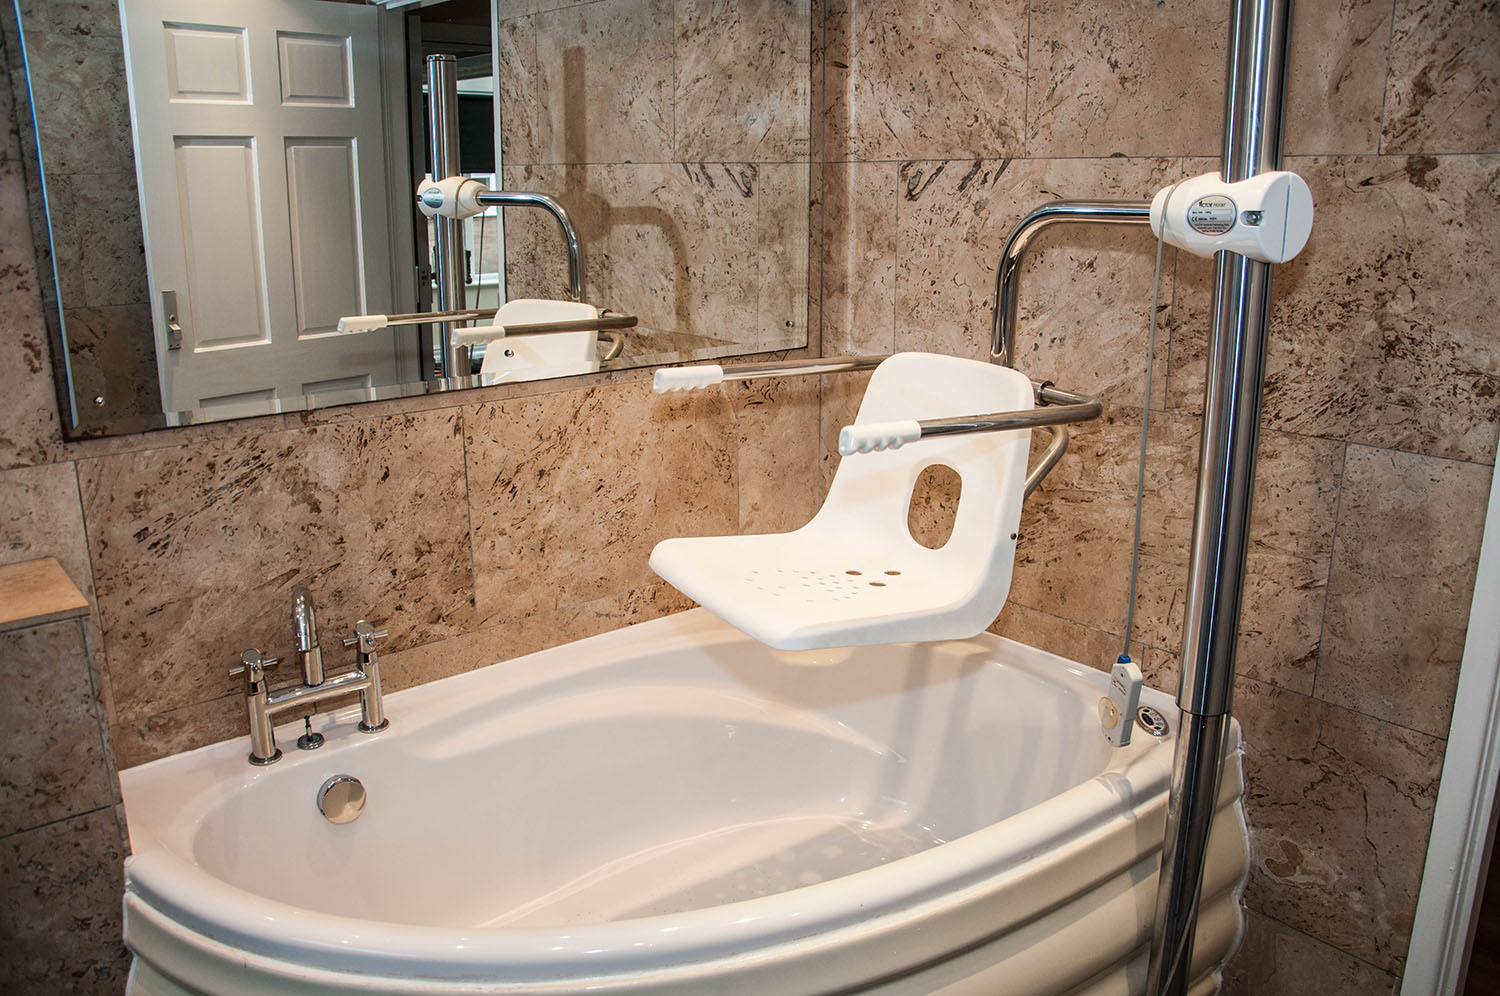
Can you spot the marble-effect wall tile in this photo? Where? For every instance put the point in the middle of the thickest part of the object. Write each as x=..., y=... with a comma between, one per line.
x=1137, y=79
x=568, y=493
x=52, y=762
x=1085, y=293
x=41, y=516
x=1392, y=306
x=925, y=80
x=60, y=889
x=776, y=430
x=1443, y=92
x=604, y=82
x=369, y=515
x=859, y=259
x=741, y=80
x=29, y=429
x=1336, y=78
x=782, y=250
x=1403, y=577
x=1340, y=806
x=1275, y=960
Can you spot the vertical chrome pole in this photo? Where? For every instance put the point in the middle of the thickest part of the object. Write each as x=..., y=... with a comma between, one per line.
x=1254, y=90
x=448, y=250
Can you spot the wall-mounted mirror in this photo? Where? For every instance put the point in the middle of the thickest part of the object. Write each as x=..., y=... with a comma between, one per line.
x=202, y=231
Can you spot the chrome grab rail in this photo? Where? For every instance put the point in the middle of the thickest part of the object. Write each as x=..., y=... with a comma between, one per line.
x=608, y=320
x=1058, y=407
x=517, y=198
x=1007, y=274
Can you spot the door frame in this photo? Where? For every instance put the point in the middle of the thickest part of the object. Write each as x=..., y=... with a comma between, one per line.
x=1463, y=822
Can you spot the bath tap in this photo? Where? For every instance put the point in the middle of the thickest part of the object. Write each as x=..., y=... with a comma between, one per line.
x=263, y=706
x=305, y=636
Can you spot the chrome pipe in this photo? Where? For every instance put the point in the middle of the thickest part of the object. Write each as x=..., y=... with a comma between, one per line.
x=605, y=321
x=1253, y=105
x=518, y=198
x=1082, y=410
x=1051, y=456
x=448, y=246
x=801, y=368
x=1006, y=312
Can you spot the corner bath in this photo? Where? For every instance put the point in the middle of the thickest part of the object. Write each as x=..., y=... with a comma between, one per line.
x=673, y=808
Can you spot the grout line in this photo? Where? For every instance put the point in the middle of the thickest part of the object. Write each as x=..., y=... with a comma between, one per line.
x=1315, y=938
x=1026, y=92
x=1333, y=542
x=1390, y=42
x=1349, y=709
x=107, y=807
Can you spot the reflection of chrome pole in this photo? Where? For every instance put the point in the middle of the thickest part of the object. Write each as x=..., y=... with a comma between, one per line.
x=448, y=247
x=1258, y=44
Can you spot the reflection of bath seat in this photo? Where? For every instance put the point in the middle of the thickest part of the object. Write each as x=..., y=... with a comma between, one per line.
x=854, y=575
x=552, y=354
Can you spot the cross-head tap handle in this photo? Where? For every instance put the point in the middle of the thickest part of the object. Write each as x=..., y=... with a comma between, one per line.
x=253, y=664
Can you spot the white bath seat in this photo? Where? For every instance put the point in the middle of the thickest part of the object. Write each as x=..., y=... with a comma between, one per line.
x=532, y=357
x=854, y=576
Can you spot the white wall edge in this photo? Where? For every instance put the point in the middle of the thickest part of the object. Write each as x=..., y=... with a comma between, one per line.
x=1461, y=825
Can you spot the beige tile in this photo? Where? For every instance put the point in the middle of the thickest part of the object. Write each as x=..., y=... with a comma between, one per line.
x=741, y=80
x=40, y=516
x=1073, y=557
x=1403, y=577
x=776, y=429
x=173, y=731
x=1057, y=635
x=197, y=548
x=1382, y=329
x=859, y=258
x=605, y=82
x=652, y=602
x=1276, y=960
x=1085, y=292
x=111, y=251
x=112, y=355
x=1287, y=564
x=1339, y=806
x=569, y=492
x=926, y=80
x=60, y=889
x=1443, y=94
x=505, y=641
x=519, y=102
x=841, y=395
x=1336, y=79
x=1126, y=79
x=782, y=243
x=81, y=136
x=30, y=432
x=52, y=761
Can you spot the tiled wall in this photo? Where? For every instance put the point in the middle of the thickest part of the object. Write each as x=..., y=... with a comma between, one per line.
x=945, y=122
x=474, y=526
x=678, y=136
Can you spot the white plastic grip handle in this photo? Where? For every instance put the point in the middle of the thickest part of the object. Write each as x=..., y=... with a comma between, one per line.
x=1267, y=217
x=477, y=333
x=351, y=324
x=453, y=197
x=871, y=437
x=670, y=379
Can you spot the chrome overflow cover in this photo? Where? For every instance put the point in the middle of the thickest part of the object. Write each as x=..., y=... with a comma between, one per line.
x=1151, y=721
x=341, y=799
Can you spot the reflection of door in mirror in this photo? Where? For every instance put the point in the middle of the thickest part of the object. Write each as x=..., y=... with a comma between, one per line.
x=260, y=148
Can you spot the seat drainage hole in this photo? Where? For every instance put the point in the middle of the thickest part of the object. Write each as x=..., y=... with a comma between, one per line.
x=893, y=573
x=877, y=584
x=854, y=573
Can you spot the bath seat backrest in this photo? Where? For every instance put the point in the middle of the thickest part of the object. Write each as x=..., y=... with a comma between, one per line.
x=531, y=311
x=871, y=492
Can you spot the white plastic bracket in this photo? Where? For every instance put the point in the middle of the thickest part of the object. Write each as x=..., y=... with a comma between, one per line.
x=1117, y=709
x=352, y=324
x=1267, y=217
x=453, y=197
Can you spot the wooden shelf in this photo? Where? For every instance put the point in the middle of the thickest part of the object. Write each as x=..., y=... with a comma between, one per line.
x=38, y=591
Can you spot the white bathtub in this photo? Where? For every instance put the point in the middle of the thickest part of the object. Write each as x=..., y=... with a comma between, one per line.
x=673, y=808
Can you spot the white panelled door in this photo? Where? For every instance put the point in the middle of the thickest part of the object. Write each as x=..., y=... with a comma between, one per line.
x=260, y=151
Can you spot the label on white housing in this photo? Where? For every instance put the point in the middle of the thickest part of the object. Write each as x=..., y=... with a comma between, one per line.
x=1212, y=215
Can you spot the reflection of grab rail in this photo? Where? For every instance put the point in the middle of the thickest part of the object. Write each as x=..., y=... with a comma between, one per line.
x=518, y=198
